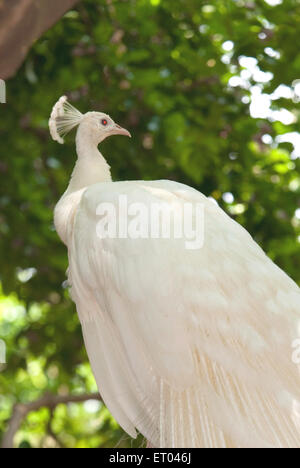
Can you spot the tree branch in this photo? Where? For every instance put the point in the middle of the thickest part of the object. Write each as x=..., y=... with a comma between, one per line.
x=21, y=23
x=21, y=410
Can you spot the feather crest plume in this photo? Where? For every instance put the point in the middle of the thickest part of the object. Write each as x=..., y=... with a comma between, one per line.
x=64, y=117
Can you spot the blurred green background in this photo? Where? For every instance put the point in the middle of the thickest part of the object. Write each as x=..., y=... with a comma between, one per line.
x=210, y=92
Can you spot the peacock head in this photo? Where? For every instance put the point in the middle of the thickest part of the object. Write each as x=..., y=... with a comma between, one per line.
x=93, y=126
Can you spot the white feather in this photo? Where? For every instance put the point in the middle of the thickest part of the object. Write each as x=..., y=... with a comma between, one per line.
x=64, y=117
x=193, y=348
x=162, y=322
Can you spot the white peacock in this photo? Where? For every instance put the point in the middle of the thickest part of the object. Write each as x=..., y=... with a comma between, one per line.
x=192, y=348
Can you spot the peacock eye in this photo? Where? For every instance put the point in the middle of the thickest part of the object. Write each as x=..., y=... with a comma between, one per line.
x=104, y=122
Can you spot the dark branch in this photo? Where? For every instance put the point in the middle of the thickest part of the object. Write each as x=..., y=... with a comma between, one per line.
x=50, y=401
x=21, y=23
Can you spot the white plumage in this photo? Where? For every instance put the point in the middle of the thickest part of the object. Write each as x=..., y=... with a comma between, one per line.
x=193, y=348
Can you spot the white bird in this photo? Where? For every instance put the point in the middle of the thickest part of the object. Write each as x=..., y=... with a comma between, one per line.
x=190, y=347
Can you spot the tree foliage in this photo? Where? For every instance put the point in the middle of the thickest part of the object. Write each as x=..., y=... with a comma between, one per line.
x=179, y=75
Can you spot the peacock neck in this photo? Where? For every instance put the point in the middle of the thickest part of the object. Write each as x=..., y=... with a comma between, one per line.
x=90, y=167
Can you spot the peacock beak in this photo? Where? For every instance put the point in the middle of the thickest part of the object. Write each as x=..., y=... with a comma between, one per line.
x=117, y=130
